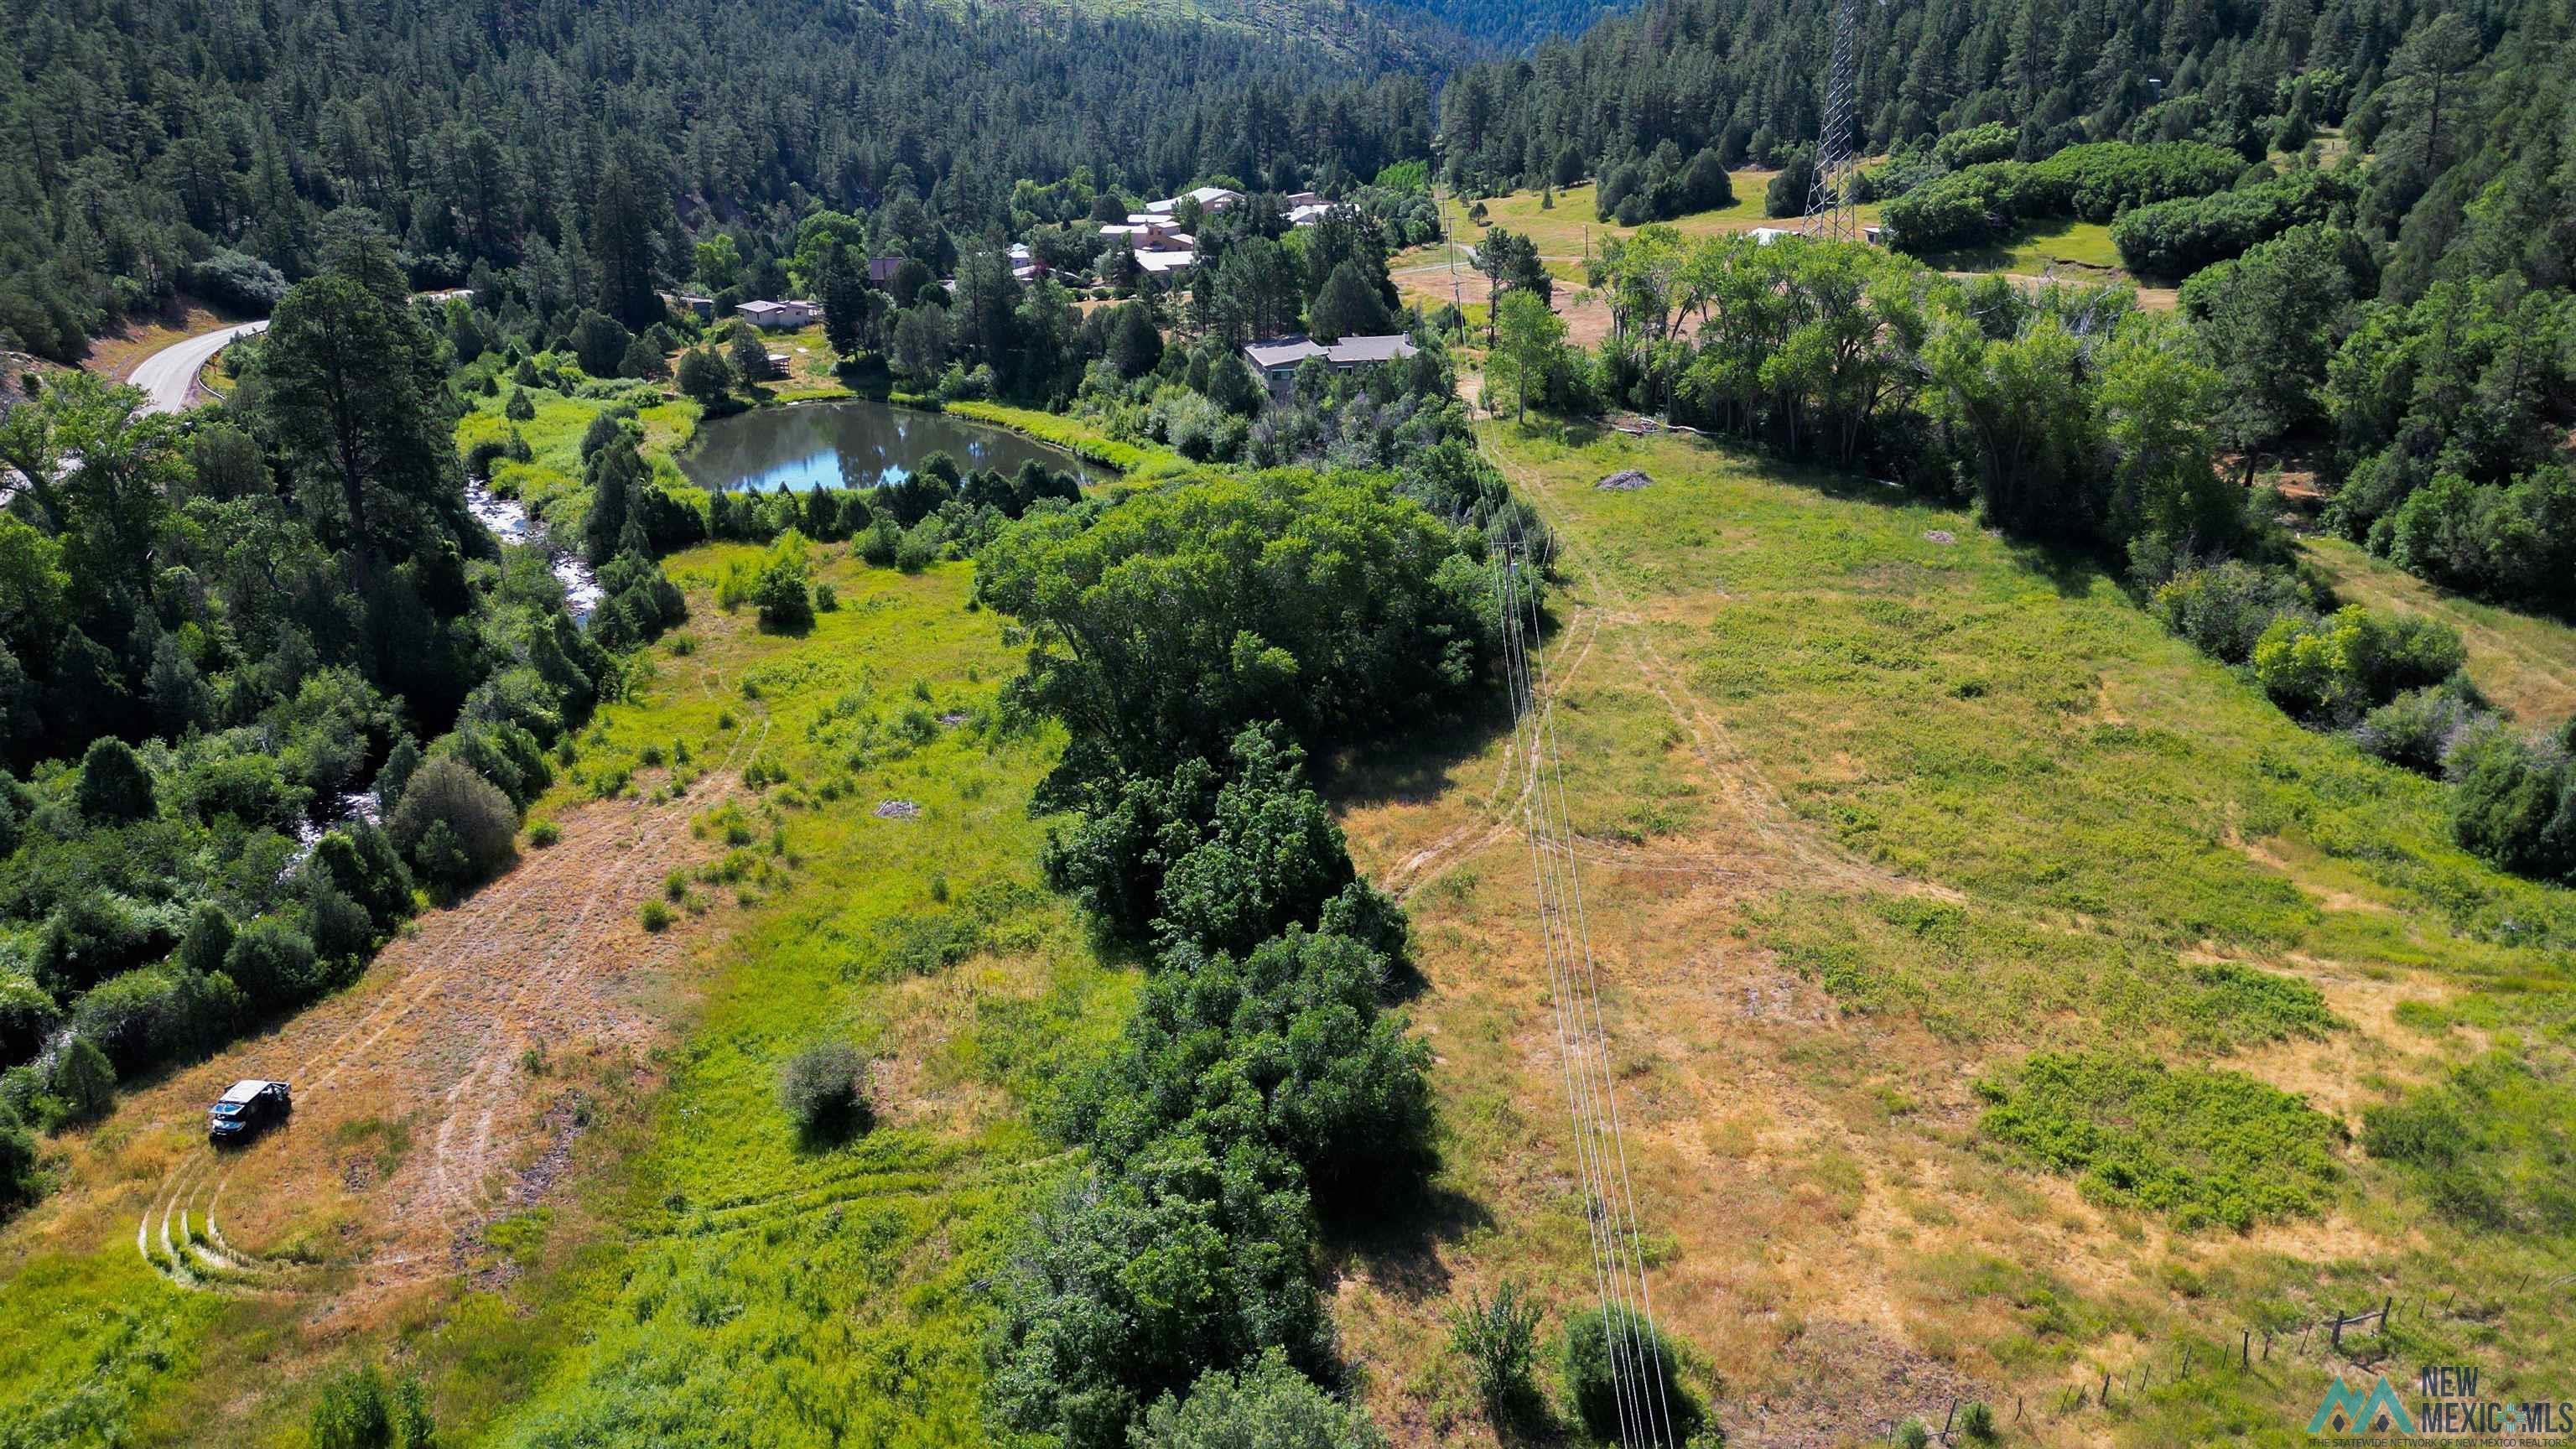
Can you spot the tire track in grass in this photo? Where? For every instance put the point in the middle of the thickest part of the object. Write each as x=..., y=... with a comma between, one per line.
x=485, y=934
x=494, y=1062
x=1782, y=834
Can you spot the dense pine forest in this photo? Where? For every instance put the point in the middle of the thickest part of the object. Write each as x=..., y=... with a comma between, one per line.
x=183, y=147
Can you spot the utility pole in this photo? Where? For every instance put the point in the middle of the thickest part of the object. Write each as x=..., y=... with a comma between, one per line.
x=1830, y=211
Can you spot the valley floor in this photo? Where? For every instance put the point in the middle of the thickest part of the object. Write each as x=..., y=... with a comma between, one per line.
x=1874, y=806
x=1886, y=825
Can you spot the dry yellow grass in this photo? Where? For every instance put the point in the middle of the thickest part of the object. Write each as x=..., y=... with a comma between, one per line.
x=2525, y=663
x=1828, y=1231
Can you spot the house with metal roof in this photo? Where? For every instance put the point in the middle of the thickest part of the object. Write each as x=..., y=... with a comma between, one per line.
x=1275, y=360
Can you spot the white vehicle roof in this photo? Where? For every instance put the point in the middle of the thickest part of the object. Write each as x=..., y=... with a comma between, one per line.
x=244, y=1090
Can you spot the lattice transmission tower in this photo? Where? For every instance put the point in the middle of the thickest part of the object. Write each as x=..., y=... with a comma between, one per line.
x=1829, y=197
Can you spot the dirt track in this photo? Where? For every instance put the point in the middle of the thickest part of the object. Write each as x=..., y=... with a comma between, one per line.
x=437, y=1093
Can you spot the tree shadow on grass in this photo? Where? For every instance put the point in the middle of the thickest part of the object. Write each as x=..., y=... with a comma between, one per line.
x=1394, y=1237
x=1419, y=766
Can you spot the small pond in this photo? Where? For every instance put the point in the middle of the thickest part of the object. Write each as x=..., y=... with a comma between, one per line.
x=850, y=445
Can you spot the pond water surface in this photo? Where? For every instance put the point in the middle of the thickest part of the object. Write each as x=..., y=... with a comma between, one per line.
x=853, y=444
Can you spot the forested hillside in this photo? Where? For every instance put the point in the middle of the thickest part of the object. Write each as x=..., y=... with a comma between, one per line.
x=2383, y=280
x=162, y=146
x=1515, y=24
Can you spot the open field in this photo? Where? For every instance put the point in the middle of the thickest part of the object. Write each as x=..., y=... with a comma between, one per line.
x=1875, y=811
x=537, y=1148
x=1566, y=230
x=2080, y=250
x=2525, y=663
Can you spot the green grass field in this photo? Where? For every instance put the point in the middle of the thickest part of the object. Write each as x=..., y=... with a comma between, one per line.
x=1569, y=228
x=2000, y=988
x=721, y=1281
x=550, y=484
x=2073, y=248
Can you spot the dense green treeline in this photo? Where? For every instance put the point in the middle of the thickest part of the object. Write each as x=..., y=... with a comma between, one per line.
x=1196, y=640
x=2393, y=314
x=164, y=146
x=264, y=677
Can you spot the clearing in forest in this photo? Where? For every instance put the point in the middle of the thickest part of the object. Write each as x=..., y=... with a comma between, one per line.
x=1907, y=849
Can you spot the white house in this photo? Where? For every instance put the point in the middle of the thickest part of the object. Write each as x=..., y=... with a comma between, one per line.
x=1160, y=263
x=775, y=316
x=1276, y=359
x=1209, y=198
x=1307, y=214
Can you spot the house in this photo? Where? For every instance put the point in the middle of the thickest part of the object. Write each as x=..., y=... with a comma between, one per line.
x=1295, y=199
x=881, y=270
x=1276, y=360
x=1307, y=214
x=1209, y=198
x=1152, y=229
x=1162, y=263
x=774, y=316
x=1766, y=235
x=1875, y=236
x=702, y=308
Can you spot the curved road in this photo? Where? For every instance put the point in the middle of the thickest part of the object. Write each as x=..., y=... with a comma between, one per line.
x=169, y=376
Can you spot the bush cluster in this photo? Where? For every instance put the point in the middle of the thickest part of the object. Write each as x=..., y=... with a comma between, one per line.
x=1979, y=204
x=1262, y=1076
x=2173, y=239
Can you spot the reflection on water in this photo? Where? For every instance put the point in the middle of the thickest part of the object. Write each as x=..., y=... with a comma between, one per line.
x=849, y=445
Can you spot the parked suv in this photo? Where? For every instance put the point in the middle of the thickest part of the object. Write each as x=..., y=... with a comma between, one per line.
x=250, y=1107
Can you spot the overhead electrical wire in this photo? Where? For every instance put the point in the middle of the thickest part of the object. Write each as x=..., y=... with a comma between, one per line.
x=1641, y=1397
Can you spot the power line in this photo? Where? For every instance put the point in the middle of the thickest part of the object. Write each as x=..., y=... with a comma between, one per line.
x=1640, y=1395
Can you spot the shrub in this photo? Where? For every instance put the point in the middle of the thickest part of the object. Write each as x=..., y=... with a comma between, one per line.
x=2331, y=669
x=1498, y=1338
x=273, y=963
x=2416, y=728
x=82, y=1081
x=1977, y=1421
x=520, y=408
x=361, y=1410
x=114, y=786
x=453, y=825
x=2223, y=609
x=2513, y=803
x=827, y=599
x=1912, y=1435
x=1267, y=1404
x=1134, y=1280
x=544, y=833
x=19, y=1183
x=2173, y=239
x=824, y=1091
x=655, y=917
x=2206, y=1148
x=1598, y=1344
x=235, y=281
x=28, y=1015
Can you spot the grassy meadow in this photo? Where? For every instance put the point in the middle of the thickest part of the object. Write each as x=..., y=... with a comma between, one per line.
x=2525, y=663
x=2003, y=994
x=1564, y=231
x=697, y=1272
x=720, y=1279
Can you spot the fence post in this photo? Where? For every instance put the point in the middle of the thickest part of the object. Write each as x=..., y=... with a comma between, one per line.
x=2106, y=1388
x=1945, y=1422
x=2267, y=1345
x=2245, y=1350
x=2387, y=1305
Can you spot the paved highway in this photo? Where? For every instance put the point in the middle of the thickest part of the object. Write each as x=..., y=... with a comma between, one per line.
x=169, y=376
